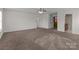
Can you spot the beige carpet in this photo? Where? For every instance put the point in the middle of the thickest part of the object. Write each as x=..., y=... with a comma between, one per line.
x=39, y=39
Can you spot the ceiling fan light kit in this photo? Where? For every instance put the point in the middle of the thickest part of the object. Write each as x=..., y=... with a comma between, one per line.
x=41, y=11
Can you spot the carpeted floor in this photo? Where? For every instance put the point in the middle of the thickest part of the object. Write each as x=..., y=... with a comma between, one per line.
x=39, y=39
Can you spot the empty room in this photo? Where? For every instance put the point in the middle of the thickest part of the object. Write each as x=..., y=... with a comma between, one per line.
x=39, y=28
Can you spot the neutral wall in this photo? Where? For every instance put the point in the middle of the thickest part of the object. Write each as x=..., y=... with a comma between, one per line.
x=61, y=18
x=15, y=20
x=1, y=18
x=75, y=22
x=61, y=21
x=44, y=21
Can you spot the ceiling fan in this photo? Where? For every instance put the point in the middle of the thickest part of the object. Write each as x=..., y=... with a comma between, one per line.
x=42, y=10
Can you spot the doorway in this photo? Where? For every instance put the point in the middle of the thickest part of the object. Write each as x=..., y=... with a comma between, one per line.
x=55, y=22
x=68, y=22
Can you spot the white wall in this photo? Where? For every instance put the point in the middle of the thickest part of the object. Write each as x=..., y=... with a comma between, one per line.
x=75, y=22
x=15, y=20
x=61, y=18
x=1, y=18
x=61, y=21
x=44, y=21
x=0, y=21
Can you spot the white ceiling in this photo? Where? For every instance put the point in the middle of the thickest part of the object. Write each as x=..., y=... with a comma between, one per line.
x=35, y=10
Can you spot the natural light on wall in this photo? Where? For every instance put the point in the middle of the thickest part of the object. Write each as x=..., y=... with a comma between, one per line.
x=0, y=21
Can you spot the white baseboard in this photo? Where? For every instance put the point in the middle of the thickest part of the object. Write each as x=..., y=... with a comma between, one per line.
x=18, y=29
x=76, y=33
